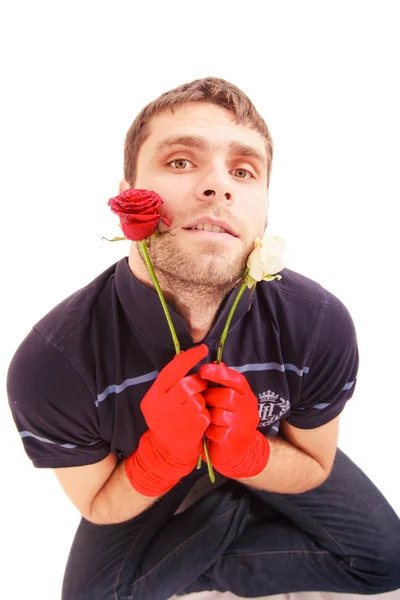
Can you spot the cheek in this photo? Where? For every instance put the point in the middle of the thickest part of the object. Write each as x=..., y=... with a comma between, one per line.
x=172, y=192
x=254, y=220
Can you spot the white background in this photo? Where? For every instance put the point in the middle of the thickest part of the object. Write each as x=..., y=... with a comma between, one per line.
x=75, y=74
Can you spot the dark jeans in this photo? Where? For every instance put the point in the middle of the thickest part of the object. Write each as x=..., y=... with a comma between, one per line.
x=340, y=537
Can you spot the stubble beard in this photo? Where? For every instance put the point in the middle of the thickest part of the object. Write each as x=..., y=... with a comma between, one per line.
x=181, y=268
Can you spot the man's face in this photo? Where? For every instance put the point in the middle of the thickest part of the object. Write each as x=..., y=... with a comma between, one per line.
x=209, y=176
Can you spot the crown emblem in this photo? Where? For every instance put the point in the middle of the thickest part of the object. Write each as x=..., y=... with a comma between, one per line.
x=265, y=396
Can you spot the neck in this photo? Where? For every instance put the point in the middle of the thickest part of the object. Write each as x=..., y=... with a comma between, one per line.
x=198, y=305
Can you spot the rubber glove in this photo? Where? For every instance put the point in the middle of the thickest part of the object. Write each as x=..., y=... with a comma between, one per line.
x=175, y=411
x=237, y=449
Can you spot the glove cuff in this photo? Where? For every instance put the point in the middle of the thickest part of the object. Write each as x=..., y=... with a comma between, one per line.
x=250, y=464
x=152, y=470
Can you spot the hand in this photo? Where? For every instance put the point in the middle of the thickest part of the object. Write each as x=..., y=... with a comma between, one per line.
x=176, y=414
x=236, y=448
x=174, y=407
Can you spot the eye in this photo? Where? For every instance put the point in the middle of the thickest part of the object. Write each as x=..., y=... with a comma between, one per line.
x=245, y=171
x=180, y=166
x=179, y=160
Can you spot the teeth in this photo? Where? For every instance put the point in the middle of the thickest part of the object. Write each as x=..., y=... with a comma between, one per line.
x=209, y=227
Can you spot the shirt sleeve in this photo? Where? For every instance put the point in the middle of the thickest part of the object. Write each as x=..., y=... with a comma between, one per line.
x=329, y=380
x=52, y=407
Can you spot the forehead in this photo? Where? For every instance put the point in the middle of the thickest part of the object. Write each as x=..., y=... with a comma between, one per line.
x=209, y=121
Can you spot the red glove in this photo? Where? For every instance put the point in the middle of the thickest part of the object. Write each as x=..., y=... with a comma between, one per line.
x=177, y=417
x=237, y=449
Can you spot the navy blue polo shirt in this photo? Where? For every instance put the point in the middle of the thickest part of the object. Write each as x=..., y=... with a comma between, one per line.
x=76, y=381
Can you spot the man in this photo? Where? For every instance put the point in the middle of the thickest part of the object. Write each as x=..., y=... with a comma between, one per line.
x=289, y=512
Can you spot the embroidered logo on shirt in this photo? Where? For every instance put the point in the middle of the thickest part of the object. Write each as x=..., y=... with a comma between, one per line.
x=271, y=407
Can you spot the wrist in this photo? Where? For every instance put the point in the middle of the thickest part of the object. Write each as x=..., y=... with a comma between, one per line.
x=249, y=464
x=152, y=470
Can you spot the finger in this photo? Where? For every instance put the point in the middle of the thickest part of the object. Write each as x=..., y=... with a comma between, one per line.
x=222, y=398
x=179, y=366
x=225, y=376
x=185, y=388
x=221, y=417
x=199, y=421
x=218, y=434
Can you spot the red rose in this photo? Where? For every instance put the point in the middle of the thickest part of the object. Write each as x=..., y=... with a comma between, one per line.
x=139, y=213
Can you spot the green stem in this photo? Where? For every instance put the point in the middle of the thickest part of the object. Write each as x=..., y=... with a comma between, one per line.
x=146, y=256
x=219, y=355
x=229, y=319
x=209, y=465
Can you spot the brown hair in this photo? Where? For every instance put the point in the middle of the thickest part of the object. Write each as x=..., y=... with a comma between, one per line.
x=210, y=89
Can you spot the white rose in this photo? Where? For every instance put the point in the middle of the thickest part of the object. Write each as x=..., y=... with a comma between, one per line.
x=267, y=259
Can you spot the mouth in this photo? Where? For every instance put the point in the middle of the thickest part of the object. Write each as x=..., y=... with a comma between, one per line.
x=211, y=235
x=208, y=227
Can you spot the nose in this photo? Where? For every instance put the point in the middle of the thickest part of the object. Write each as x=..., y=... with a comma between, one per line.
x=215, y=187
x=208, y=193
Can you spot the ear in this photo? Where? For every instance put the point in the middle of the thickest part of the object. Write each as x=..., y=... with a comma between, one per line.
x=123, y=185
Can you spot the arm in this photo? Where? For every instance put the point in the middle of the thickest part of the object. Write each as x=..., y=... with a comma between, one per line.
x=298, y=463
x=104, y=495
x=305, y=457
x=55, y=414
x=174, y=410
x=102, y=492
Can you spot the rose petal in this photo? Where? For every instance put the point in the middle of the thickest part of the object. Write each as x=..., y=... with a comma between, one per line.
x=137, y=232
x=139, y=212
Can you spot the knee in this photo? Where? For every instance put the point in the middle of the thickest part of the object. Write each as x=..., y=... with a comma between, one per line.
x=387, y=577
x=382, y=573
x=78, y=589
x=391, y=572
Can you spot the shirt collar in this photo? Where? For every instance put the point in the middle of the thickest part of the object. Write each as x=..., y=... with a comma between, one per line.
x=144, y=310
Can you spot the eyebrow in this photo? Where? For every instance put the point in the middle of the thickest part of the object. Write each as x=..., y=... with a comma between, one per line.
x=199, y=143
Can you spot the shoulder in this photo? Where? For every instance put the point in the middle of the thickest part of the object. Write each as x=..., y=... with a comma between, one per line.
x=312, y=321
x=294, y=285
x=299, y=297
x=72, y=312
x=51, y=382
x=316, y=322
x=56, y=350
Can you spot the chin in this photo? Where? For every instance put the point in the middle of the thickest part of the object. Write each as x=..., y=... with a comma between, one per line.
x=208, y=266
x=212, y=270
